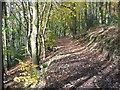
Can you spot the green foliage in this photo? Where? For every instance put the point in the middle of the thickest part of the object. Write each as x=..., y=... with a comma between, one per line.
x=15, y=34
x=91, y=20
x=5, y=52
x=50, y=38
x=16, y=53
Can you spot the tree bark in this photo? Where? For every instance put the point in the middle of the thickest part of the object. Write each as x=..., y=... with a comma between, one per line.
x=6, y=58
x=28, y=27
x=44, y=30
x=85, y=13
x=1, y=54
x=101, y=12
x=118, y=36
x=110, y=13
x=34, y=33
x=73, y=21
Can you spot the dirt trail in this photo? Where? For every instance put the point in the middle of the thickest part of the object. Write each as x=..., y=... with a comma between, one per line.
x=66, y=42
x=77, y=67
x=74, y=67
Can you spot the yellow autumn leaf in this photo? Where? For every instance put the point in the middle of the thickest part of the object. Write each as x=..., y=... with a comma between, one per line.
x=34, y=66
x=17, y=79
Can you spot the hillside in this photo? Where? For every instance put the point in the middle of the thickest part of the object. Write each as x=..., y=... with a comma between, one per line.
x=89, y=62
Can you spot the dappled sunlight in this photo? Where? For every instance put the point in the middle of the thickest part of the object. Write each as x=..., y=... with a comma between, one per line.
x=81, y=67
x=60, y=45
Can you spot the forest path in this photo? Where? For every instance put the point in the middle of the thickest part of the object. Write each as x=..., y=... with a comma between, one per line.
x=66, y=42
x=75, y=67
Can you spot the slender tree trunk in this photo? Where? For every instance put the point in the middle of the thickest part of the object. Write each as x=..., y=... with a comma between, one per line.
x=19, y=31
x=71, y=24
x=40, y=35
x=64, y=31
x=85, y=13
x=110, y=14
x=6, y=35
x=79, y=20
x=43, y=47
x=13, y=39
x=118, y=36
x=73, y=21
x=106, y=13
x=119, y=19
x=1, y=54
x=44, y=30
x=29, y=31
x=28, y=27
x=34, y=34
x=101, y=13
x=96, y=11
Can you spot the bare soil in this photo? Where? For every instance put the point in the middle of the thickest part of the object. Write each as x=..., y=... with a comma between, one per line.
x=80, y=68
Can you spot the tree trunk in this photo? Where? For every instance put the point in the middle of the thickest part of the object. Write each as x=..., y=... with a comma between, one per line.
x=29, y=31
x=28, y=27
x=96, y=11
x=34, y=33
x=73, y=21
x=110, y=13
x=64, y=31
x=79, y=20
x=101, y=12
x=6, y=36
x=44, y=30
x=1, y=54
x=19, y=31
x=106, y=13
x=118, y=36
x=43, y=47
x=85, y=13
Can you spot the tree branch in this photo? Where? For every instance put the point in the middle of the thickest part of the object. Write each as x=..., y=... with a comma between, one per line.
x=47, y=17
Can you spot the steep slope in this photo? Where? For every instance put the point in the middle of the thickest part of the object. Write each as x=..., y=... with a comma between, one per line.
x=91, y=62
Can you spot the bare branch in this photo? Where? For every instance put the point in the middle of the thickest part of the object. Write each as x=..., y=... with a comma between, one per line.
x=41, y=16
